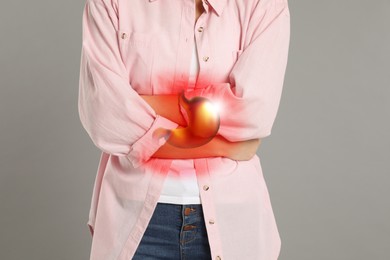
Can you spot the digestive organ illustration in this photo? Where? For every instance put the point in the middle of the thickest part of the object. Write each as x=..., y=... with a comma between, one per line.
x=203, y=123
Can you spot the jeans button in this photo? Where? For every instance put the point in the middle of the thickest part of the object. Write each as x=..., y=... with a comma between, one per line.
x=188, y=227
x=187, y=211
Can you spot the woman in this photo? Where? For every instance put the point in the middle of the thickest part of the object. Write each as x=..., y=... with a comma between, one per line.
x=151, y=199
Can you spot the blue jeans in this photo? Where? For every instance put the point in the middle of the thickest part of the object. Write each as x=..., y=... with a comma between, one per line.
x=175, y=232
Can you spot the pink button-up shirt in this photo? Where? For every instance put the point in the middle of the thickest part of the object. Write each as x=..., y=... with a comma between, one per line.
x=144, y=47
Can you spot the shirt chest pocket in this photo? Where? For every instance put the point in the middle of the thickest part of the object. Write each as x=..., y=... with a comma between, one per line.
x=226, y=59
x=137, y=53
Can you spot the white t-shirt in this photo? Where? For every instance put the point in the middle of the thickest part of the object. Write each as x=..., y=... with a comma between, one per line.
x=181, y=185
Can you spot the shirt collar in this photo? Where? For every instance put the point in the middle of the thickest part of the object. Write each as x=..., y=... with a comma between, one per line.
x=217, y=5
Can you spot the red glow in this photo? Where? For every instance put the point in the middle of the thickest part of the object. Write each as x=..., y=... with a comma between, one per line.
x=202, y=127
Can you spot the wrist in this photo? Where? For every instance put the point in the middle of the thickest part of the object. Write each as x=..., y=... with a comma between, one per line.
x=223, y=146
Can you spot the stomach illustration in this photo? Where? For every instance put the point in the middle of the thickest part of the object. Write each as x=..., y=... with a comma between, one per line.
x=203, y=123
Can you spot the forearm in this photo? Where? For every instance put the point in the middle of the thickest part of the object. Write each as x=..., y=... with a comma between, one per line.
x=166, y=106
x=217, y=147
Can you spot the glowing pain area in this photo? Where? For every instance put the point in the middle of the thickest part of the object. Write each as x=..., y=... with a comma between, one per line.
x=202, y=123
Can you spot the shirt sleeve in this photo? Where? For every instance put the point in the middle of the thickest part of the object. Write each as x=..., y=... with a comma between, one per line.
x=116, y=118
x=250, y=100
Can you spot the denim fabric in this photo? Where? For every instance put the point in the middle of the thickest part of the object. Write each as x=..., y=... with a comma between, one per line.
x=175, y=232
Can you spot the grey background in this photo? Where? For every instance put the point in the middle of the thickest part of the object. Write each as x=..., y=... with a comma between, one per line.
x=326, y=163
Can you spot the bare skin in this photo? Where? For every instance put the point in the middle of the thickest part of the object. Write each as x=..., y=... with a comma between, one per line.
x=168, y=107
x=217, y=147
x=199, y=9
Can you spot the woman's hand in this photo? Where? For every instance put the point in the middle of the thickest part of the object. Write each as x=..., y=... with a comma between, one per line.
x=242, y=151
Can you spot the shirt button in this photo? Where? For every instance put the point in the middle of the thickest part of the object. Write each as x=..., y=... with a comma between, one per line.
x=124, y=36
x=205, y=187
x=200, y=29
x=206, y=58
x=211, y=221
x=218, y=257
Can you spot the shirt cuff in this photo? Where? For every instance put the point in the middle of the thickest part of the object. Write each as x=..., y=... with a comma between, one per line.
x=147, y=145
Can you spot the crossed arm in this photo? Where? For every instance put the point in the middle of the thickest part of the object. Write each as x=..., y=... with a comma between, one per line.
x=167, y=106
